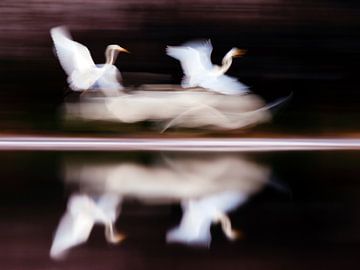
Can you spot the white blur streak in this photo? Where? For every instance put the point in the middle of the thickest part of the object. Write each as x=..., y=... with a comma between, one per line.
x=200, y=214
x=207, y=187
x=78, y=64
x=173, y=180
x=82, y=213
x=54, y=143
x=195, y=59
x=190, y=109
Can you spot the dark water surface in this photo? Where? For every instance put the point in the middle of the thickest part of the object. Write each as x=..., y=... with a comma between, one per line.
x=304, y=215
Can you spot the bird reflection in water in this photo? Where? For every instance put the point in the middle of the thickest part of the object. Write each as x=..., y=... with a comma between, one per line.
x=83, y=212
x=207, y=187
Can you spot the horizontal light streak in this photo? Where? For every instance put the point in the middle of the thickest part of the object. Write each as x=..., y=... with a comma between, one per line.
x=43, y=143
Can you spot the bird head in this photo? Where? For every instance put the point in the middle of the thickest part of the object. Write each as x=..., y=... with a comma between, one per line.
x=112, y=51
x=235, y=52
x=117, y=48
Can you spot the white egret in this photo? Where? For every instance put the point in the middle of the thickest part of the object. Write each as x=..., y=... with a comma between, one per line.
x=83, y=212
x=195, y=58
x=78, y=64
x=200, y=214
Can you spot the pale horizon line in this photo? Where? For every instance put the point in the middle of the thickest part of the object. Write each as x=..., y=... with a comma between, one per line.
x=58, y=143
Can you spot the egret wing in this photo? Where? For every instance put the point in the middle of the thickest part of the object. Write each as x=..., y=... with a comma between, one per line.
x=199, y=214
x=194, y=228
x=225, y=84
x=72, y=55
x=204, y=48
x=72, y=231
x=190, y=59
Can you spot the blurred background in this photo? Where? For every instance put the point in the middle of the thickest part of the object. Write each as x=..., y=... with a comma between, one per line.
x=306, y=216
x=307, y=48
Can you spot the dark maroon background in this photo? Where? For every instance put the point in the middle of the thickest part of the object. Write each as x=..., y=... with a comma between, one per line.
x=308, y=48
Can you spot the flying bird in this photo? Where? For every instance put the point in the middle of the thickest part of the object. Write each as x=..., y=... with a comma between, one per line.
x=195, y=59
x=78, y=64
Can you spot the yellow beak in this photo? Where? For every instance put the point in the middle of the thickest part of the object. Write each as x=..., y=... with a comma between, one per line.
x=239, y=52
x=121, y=49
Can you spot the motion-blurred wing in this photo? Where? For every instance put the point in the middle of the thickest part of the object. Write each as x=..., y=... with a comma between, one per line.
x=192, y=61
x=72, y=231
x=225, y=85
x=72, y=55
x=108, y=203
x=204, y=48
x=81, y=215
x=194, y=228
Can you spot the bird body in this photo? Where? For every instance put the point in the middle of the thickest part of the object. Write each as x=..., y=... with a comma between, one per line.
x=195, y=59
x=78, y=64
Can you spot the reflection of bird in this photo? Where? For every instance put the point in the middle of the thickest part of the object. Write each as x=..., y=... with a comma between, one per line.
x=82, y=72
x=195, y=58
x=207, y=186
x=199, y=214
x=81, y=215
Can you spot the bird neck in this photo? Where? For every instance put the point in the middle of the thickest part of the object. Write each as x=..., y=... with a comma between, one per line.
x=110, y=55
x=226, y=63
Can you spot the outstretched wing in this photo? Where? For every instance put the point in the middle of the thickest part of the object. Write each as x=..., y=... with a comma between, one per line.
x=194, y=57
x=72, y=55
x=225, y=84
x=72, y=231
x=82, y=214
x=204, y=48
x=194, y=228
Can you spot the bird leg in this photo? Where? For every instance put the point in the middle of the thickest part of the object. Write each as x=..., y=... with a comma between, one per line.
x=111, y=235
x=225, y=222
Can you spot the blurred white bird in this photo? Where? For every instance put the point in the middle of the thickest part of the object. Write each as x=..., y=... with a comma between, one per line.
x=199, y=214
x=195, y=58
x=81, y=215
x=82, y=72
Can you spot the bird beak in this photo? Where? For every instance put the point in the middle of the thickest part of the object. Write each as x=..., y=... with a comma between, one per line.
x=121, y=49
x=239, y=52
